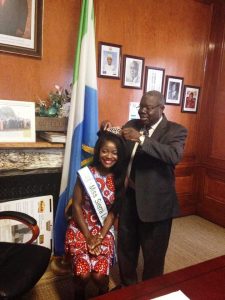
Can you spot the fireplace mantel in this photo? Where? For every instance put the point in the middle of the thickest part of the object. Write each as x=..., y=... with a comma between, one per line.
x=35, y=157
x=30, y=170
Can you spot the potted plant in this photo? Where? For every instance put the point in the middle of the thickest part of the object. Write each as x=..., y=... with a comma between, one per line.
x=52, y=114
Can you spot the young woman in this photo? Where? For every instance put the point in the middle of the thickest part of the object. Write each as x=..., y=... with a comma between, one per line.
x=90, y=241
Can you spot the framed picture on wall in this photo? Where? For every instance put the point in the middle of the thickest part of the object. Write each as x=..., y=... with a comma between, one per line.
x=190, y=99
x=21, y=27
x=133, y=68
x=154, y=78
x=173, y=89
x=17, y=121
x=109, y=60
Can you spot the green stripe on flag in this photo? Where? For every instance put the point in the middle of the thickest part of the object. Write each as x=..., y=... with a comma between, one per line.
x=82, y=30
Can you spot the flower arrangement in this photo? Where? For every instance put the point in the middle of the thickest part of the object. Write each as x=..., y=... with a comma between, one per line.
x=56, y=105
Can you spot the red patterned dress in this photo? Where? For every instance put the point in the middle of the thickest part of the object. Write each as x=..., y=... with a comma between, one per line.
x=75, y=243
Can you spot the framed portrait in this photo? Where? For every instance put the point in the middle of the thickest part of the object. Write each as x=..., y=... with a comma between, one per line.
x=109, y=60
x=133, y=68
x=21, y=27
x=17, y=121
x=190, y=99
x=154, y=79
x=173, y=89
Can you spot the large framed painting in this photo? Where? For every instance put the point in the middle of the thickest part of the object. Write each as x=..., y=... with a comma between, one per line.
x=21, y=27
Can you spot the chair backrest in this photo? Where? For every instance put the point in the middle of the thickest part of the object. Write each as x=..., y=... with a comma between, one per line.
x=23, y=218
x=21, y=265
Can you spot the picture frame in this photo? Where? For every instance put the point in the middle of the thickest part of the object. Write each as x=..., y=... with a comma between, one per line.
x=133, y=69
x=21, y=28
x=17, y=121
x=190, y=99
x=173, y=89
x=109, y=60
x=154, y=79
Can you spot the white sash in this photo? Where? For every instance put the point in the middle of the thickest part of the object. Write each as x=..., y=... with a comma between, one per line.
x=95, y=195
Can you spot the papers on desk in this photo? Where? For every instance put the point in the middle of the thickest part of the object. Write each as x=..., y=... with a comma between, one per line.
x=53, y=137
x=173, y=296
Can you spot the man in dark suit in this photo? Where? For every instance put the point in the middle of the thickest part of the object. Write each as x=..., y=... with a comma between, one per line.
x=151, y=202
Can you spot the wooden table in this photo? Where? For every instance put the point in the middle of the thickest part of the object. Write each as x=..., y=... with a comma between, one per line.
x=204, y=281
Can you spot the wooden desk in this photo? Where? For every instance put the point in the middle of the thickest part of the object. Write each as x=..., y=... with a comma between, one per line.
x=204, y=281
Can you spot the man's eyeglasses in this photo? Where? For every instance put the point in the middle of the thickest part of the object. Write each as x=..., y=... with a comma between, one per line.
x=147, y=108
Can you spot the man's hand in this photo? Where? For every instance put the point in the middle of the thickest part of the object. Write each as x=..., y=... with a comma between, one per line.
x=131, y=134
x=105, y=125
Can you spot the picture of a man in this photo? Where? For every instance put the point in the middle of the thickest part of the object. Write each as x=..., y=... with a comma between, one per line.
x=109, y=67
x=133, y=73
x=173, y=91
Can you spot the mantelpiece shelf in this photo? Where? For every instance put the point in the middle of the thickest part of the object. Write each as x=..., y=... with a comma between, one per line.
x=39, y=144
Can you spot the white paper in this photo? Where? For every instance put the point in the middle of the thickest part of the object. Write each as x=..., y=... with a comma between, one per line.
x=178, y=295
x=133, y=110
x=40, y=208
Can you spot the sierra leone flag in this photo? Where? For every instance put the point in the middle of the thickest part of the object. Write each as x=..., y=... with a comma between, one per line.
x=83, y=119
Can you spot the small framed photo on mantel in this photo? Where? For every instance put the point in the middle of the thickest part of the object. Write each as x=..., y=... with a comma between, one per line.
x=190, y=99
x=173, y=89
x=17, y=121
x=109, y=60
x=133, y=69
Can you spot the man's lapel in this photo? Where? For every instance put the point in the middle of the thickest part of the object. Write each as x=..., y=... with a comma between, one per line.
x=160, y=129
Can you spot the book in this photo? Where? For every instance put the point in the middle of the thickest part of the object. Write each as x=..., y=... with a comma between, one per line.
x=53, y=137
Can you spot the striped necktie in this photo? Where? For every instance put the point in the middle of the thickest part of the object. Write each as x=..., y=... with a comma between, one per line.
x=146, y=130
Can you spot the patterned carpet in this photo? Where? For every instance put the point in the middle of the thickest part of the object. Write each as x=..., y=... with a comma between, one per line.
x=193, y=240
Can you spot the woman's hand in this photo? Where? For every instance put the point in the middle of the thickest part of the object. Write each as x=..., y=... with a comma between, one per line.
x=94, y=244
x=96, y=251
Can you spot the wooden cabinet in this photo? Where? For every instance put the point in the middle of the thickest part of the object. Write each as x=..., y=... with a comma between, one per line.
x=211, y=129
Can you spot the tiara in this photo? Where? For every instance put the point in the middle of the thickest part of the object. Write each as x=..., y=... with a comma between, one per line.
x=114, y=130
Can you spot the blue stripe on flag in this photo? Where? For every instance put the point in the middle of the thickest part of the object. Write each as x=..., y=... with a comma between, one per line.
x=90, y=113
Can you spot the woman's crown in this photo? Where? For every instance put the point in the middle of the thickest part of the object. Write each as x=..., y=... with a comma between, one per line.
x=115, y=130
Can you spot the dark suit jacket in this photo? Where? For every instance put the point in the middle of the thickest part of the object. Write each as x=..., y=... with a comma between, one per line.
x=153, y=170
